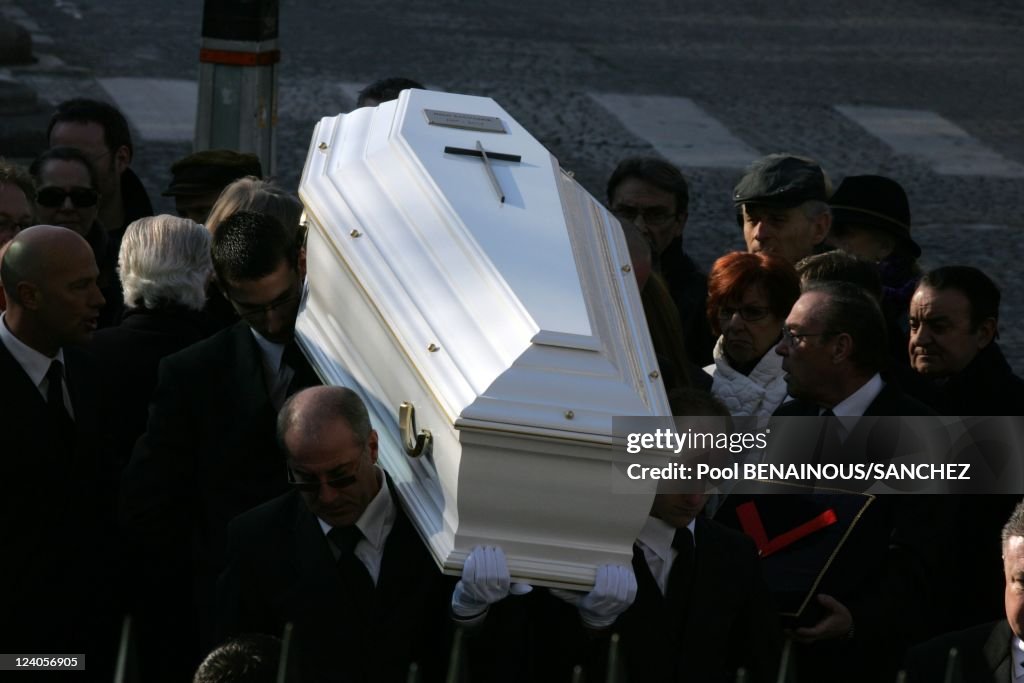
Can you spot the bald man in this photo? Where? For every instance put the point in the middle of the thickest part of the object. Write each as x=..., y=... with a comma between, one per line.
x=337, y=556
x=51, y=491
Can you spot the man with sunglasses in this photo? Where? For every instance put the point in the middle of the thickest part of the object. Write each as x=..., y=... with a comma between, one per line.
x=337, y=556
x=652, y=194
x=101, y=132
x=66, y=195
x=17, y=205
x=209, y=452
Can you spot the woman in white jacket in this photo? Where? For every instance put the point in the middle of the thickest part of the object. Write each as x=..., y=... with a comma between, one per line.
x=749, y=297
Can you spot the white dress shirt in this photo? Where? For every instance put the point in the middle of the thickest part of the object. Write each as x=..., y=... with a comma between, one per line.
x=1017, y=656
x=655, y=540
x=35, y=364
x=856, y=404
x=376, y=523
x=276, y=373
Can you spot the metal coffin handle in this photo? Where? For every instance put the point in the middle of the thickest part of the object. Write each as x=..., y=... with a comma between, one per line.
x=414, y=446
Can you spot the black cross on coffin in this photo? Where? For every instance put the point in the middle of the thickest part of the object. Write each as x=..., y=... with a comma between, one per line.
x=481, y=153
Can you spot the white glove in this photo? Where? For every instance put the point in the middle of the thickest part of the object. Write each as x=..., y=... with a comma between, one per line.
x=614, y=591
x=485, y=580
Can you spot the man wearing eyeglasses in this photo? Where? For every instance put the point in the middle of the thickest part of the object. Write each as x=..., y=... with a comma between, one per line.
x=652, y=194
x=337, y=556
x=17, y=210
x=876, y=596
x=209, y=452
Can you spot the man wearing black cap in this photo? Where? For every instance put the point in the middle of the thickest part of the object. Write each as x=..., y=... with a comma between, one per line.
x=781, y=202
x=198, y=179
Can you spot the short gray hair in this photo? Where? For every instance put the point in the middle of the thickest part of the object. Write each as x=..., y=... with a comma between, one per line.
x=165, y=260
x=813, y=208
x=1015, y=525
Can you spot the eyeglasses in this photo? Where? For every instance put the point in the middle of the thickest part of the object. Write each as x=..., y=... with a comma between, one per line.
x=302, y=483
x=655, y=216
x=789, y=337
x=751, y=314
x=253, y=312
x=53, y=197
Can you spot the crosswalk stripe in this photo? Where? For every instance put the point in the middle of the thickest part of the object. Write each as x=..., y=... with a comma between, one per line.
x=928, y=137
x=679, y=130
x=161, y=109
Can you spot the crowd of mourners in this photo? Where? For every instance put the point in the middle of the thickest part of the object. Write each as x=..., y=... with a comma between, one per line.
x=170, y=454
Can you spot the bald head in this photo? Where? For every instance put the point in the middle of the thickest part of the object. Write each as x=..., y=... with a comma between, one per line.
x=33, y=254
x=49, y=277
x=308, y=413
x=326, y=436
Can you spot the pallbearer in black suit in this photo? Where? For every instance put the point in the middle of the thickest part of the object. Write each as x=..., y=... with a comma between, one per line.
x=702, y=609
x=52, y=491
x=209, y=452
x=337, y=556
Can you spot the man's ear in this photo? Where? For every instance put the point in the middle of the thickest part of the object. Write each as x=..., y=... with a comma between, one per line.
x=822, y=224
x=220, y=286
x=681, y=224
x=843, y=347
x=29, y=295
x=986, y=332
x=372, y=444
x=301, y=265
x=122, y=158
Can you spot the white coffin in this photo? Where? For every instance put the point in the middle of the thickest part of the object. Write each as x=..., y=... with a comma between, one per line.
x=514, y=328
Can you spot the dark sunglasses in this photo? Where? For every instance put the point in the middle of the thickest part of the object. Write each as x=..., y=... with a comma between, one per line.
x=53, y=197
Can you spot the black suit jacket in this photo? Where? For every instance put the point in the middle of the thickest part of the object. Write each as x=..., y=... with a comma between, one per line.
x=891, y=401
x=730, y=622
x=129, y=356
x=280, y=569
x=984, y=655
x=892, y=564
x=55, y=526
x=209, y=453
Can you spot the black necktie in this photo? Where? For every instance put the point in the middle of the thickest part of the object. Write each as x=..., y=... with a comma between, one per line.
x=827, y=448
x=55, y=397
x=353, y=572
x=680, y=577
x=304, y=376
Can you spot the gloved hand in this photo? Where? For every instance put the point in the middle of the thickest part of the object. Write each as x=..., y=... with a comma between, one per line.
x=485, y=580
x=614, y=591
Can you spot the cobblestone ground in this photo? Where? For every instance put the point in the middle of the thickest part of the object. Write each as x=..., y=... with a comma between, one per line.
x=772, y=74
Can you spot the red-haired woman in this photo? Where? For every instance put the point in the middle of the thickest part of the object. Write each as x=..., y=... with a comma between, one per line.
x=749, y=297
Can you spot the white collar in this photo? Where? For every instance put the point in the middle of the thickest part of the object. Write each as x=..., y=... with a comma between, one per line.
x=857, y=403
x=35, y=364
x=378, y=517
x=272, y=351
x=1017, y=657
x=657, y=535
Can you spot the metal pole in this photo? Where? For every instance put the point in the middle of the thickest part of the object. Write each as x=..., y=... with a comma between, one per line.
x=238, y=56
